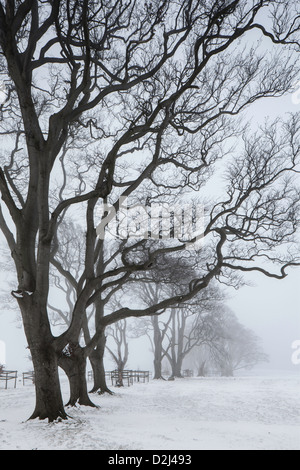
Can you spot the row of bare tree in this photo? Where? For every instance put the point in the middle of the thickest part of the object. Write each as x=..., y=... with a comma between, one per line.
x=143, y=100
x=212, y=343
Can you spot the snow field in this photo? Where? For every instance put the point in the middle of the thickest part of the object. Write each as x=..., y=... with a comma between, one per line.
x=187, y=414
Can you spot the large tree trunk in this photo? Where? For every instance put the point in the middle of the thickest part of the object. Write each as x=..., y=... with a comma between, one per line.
x=157, y=369
x=202, y=369
x=119, y=382
x=97, y=363
x=176, y=368
x=176, y=355
x=176, y=364
x=96, y=356
x=158, y=349
x=49, y=403
x=227, y=370
x=74, y=365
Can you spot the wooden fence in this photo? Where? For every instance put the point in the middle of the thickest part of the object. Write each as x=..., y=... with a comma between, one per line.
x=28, y=376
x=7, y=375
x=127, y=377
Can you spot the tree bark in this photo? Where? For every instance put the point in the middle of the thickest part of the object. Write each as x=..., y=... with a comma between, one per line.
x=49, y=403
x=202, y=369
x=157, y=369
x=227, y=371
x=120, y=369
x=96, y=356
x=74, y=365
x=97, y=363
x=176, y=365
x=158, y=350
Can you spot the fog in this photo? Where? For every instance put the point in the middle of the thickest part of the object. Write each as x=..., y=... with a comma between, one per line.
x=269, y=307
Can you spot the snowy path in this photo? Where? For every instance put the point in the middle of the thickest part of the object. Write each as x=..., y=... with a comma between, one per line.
x=241, y=413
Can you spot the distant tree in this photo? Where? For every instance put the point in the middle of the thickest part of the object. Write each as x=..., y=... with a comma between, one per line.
x=201, y=368
x=172, y=275
x=153, y=327
x=236, y=347
x=199, y=360
x=178, y=330
x=193, y=326
x=120, y=354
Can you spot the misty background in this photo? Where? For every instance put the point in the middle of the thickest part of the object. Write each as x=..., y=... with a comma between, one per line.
x=269, y=307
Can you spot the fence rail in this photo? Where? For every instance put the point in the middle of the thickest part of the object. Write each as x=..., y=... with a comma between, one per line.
x=188, y=373
x=7, y=375
x=129, y=376
x=28, y=376
x=126, y=376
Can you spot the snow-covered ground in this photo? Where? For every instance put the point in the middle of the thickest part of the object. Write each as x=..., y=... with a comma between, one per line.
x=187, y=414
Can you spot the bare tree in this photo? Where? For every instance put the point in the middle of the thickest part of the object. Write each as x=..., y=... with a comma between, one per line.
x=154, y=327
x=68, y=261
x=236, y=347
x=163, y=78
x=233, y=347
x=191, y=326
x=170, y=275
x=202, y=362
x=176, y=332
x=118, y=333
